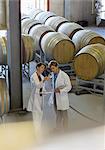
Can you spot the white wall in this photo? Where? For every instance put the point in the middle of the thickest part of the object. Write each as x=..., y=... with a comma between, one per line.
x=76, y=10
x=57, y=6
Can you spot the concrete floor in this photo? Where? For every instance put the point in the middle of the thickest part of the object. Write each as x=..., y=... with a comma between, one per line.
x=86, y=131
x=17, y=129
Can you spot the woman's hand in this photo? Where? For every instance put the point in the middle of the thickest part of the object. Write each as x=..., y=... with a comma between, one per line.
x=46, y=78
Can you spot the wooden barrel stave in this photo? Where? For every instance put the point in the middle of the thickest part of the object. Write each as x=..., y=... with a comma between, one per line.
x=4, y=98
x=55, y=22
x=3, y=19
x=28, y=24
x=34, y=13
x=28, y=46
x=90, y=61
x=58, y=46
x=38, y=32
x=23, y=23
x=31, y=25
x=3, y=49
x=86, y=37
x=69, y=28
x=27, y=49
x=43, y=16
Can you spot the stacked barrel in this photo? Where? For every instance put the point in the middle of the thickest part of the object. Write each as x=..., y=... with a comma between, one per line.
x=4, y=98
x=58, y=46
x=65, y=42
x=27, y=49
x=90, y=61
x=3, y=19
x=55, y=45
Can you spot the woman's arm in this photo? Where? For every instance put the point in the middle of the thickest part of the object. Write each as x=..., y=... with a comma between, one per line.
x=35, y=81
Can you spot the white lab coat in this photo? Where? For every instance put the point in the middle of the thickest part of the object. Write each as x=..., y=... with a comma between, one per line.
x=35, y=103
x=62, y=81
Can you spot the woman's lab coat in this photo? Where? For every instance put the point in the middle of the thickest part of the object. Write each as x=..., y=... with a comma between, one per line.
x=35, y=103
x=63, y=82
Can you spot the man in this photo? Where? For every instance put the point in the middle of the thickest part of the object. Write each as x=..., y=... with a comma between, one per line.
x=61, y=85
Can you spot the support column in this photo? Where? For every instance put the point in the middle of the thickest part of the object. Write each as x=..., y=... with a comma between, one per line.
x=14, y=55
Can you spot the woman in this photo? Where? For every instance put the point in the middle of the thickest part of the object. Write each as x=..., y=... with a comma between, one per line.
x=37, y=96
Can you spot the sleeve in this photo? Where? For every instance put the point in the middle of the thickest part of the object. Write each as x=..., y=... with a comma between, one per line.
x=67, y=83
x=34, y=81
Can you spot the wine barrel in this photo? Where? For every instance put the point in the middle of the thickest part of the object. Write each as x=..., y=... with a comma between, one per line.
x=58, y=46
x=69, y=28
x=3, y=22
x=28, y=49
x=55, y=22
x=24, y=17
x=89, y=62
x=28, y=24
x=43, y=16
x=3, y=51
x=86, y=37
x=34, y=13
x=4, y=97
x=23, y=23
x=38, y=32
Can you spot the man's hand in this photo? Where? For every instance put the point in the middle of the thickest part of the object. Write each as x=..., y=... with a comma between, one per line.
x=57, y=90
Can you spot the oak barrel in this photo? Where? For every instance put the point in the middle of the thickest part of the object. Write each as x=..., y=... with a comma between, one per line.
x=43, y=16
x=89, y=62
x=58, y=46
x=38, y=32
x=3, y=19
x=69, y=28
x=4, y=97
x=86, y=37
x=28, y=24
x=34, y=13
x=55, y=22
x=27, y=49
x=23, y=23
x=3, y=51
x=24, y=17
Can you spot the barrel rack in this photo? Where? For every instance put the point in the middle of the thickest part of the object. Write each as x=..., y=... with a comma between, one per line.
x=25, y=70
x=3, y=70
x=96, y=85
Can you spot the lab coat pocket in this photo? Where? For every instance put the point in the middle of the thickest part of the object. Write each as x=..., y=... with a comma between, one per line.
x=63, y=101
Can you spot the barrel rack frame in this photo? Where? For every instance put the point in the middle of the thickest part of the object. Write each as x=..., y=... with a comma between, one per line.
x=3, y=70
x=95, y=86
x=25, y=70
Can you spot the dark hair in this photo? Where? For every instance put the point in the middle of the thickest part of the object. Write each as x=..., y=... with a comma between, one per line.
x=40, y=64
x=52, y=63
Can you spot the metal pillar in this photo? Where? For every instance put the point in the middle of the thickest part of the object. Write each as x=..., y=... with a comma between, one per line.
x=14, y=55
x=104, y=90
